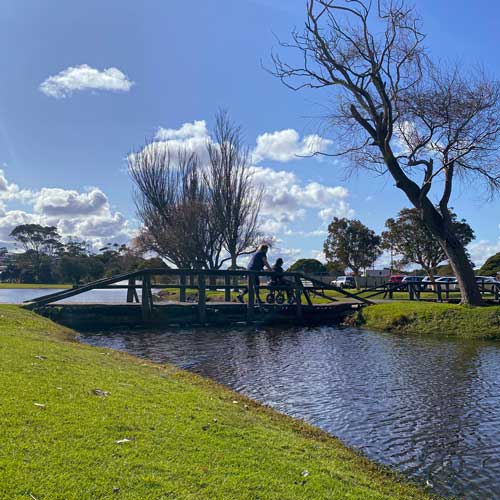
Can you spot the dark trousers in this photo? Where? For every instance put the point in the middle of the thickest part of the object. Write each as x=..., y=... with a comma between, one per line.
x=256, y=283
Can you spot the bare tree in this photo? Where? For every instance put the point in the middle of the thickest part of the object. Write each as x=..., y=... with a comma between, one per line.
x=397, y=113
x=236, y=199
x=173, y=204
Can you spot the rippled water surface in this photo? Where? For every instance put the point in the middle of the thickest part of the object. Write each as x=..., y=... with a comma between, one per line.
x=428, y=407
x=19, y=295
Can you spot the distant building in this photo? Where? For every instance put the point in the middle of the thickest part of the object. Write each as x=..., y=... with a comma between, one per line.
x=377, y=273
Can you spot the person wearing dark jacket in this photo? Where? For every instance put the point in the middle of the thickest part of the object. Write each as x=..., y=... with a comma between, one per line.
x=277, y=280
x=257, y=263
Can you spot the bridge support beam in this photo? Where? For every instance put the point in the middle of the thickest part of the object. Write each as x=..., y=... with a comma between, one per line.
x=182, y=288
x=251, y=298
x=147, y=299
x=202, y=299
x=227, y=289
x=298, y=298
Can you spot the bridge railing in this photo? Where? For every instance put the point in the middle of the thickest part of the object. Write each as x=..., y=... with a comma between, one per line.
x=442, y=291
x=299, y=286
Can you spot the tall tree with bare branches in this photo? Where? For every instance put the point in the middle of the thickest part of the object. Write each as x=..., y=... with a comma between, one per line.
x=397, y=113
x=236, y=199
x=197, y=214
x=173, y=204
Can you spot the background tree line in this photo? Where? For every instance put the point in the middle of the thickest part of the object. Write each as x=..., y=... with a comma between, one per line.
x=352, y=245
x=45, y=258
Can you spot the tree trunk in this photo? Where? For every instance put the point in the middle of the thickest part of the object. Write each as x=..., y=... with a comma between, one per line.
x=233, y=261
x=440, y=229
x=356, y=279
x=463, y=270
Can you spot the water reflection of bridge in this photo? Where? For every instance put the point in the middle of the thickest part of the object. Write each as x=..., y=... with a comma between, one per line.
x=203, y=296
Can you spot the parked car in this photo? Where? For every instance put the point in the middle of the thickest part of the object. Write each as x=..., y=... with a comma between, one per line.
x=448, y=282
x=487, y=282
x=413, y=279
x=397, y=278
x=487, y=279
x=427, y=283
x=344, y=282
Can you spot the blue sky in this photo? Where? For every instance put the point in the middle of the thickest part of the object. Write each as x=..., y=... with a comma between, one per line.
x=64, y=158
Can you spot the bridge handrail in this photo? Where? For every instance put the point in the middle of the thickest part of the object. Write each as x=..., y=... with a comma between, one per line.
x=63, y=294
x=201, y=273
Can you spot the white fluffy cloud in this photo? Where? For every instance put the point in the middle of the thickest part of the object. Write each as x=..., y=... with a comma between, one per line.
x=87, y=215
x=54, y=202
x=192, y=137
x=286, y=198
x=482, y=249
x=286, y=145
x=281, y=145
x=340, y=209
x=9, y=219
x=188, y=130
x=10, y=191
x=84, y=77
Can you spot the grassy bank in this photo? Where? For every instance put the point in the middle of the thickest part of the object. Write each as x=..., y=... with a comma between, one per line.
x=34, y=285
x=434, y=318
x=81, y=422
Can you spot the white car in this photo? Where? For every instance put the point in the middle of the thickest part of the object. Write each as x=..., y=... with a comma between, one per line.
x=344, y=282
x=426, y=281
x=448, y=283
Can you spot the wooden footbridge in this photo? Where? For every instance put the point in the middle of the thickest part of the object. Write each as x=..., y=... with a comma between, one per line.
x=201, y=297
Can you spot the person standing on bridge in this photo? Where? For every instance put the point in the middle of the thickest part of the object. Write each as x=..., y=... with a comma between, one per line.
x=257, y=263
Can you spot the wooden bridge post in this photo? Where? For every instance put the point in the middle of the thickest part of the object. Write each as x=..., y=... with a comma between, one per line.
x=251, y=297
x=298, y=297
x=411, y=291
x=227, y=289
x=182, y=289
x=147, y=302
x=202, y=298
x=131, y=290
x=495, y=290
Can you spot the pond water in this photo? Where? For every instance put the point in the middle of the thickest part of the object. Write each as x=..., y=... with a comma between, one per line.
x=428, y=407
x=19, y=295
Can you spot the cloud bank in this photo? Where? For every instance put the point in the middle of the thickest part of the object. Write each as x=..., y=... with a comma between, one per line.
x=85, y=215
x=287, y=199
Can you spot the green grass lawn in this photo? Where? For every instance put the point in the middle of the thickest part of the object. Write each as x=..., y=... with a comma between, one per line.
x=88, y=423
x=34, y=285
x=434, y=318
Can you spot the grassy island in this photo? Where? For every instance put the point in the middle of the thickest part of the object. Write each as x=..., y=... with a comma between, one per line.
x=80, y=422
x=433, y=318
